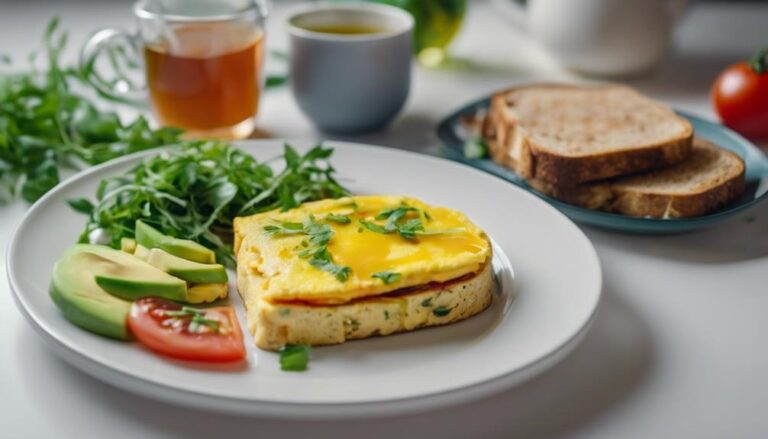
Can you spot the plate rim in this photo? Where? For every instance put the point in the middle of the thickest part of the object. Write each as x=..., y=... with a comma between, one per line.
x=450, y=141
x=326, y=410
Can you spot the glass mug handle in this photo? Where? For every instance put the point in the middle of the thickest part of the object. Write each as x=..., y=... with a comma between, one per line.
x=120, y=88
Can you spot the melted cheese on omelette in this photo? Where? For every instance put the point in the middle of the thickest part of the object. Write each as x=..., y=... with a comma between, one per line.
x=278, y=274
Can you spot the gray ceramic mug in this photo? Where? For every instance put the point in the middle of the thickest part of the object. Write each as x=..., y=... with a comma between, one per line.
x=351, y=82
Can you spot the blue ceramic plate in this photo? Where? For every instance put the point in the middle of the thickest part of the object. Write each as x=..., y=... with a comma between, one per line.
x=454, y=134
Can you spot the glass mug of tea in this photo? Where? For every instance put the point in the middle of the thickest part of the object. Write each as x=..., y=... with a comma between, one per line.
x=202, y=62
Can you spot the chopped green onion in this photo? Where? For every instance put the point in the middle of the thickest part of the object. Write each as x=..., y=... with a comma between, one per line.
x=294, y=358
x=340, y=219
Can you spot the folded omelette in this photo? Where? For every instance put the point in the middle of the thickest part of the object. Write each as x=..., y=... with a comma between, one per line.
x=356, y=267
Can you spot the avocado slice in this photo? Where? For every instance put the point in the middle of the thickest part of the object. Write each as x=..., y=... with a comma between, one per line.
x=128, y=277
x=141, y=252
x=150, y=237
x=75, y=291
x=185, y=269
x=206, y=293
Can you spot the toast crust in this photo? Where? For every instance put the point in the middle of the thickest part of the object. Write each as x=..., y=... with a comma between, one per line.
x=516, y=149
x=274, y=325
x=619, y=197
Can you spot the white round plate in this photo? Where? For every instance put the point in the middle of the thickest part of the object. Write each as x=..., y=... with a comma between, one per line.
x=556, y=292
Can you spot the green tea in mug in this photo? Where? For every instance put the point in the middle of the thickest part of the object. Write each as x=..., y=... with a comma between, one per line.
x=346, y=29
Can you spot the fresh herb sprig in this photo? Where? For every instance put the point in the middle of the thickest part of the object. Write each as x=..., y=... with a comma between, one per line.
x=315, y=247
x=396, y=220
x=45, y=125
x=338, y=219
x=387, y=277
x=197, y=320
x=193, y=191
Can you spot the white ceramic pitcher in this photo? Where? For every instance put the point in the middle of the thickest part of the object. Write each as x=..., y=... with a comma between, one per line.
x=602, y=37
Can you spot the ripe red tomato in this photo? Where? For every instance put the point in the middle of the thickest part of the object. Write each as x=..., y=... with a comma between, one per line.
x=740, y=97
x=186, y=333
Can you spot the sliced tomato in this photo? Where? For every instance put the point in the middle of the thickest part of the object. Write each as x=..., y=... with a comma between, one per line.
x=186, y=333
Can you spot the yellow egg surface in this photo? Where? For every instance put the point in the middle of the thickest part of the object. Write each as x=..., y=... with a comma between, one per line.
x=373, y=245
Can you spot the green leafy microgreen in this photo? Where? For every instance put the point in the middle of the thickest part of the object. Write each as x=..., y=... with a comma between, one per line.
x=396, y=212
x=441, y=311
x=202, y=321
x=294, y=358
x=409, y=228
x=397, y=221
x=394, y=217
x=387, y=276
x=327, y=265
x=284, y=228
x=315, y=247
x=339, y=219
x=373, y=227
x=197, y=318
x=184, y=311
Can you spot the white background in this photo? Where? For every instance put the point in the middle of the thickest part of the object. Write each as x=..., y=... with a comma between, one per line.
x=678, y=349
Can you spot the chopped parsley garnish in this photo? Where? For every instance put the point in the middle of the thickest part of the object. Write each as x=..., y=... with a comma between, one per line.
x=326, y=264
x=408, y=228
x=284, y=228
x=387, y=276
x=426, y=302
x=441, y=311
x=392, y=215
x=294, y=358
x=339, y=219
x=198, y=318
x=315, y=248
x=373, y=227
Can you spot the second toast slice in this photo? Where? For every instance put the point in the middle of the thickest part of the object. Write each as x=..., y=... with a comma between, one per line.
x=710, y=178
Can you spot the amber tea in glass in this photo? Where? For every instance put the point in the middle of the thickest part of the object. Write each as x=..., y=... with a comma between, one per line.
x=202, y=63
x=207, y=85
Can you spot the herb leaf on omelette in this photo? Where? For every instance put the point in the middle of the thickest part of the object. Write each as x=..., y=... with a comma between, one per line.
x=409, y=228
x=315, y=248
x=387, y=277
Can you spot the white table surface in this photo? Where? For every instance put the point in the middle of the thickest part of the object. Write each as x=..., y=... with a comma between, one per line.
x=677, y=350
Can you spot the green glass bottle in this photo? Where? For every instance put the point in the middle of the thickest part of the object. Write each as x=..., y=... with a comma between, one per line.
x=437, y=23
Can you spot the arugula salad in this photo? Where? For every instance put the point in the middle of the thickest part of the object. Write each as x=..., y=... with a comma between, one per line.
x=194, y=190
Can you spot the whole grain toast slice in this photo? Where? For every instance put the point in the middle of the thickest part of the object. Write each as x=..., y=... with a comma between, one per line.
x=708, y=179
x=566, y=134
